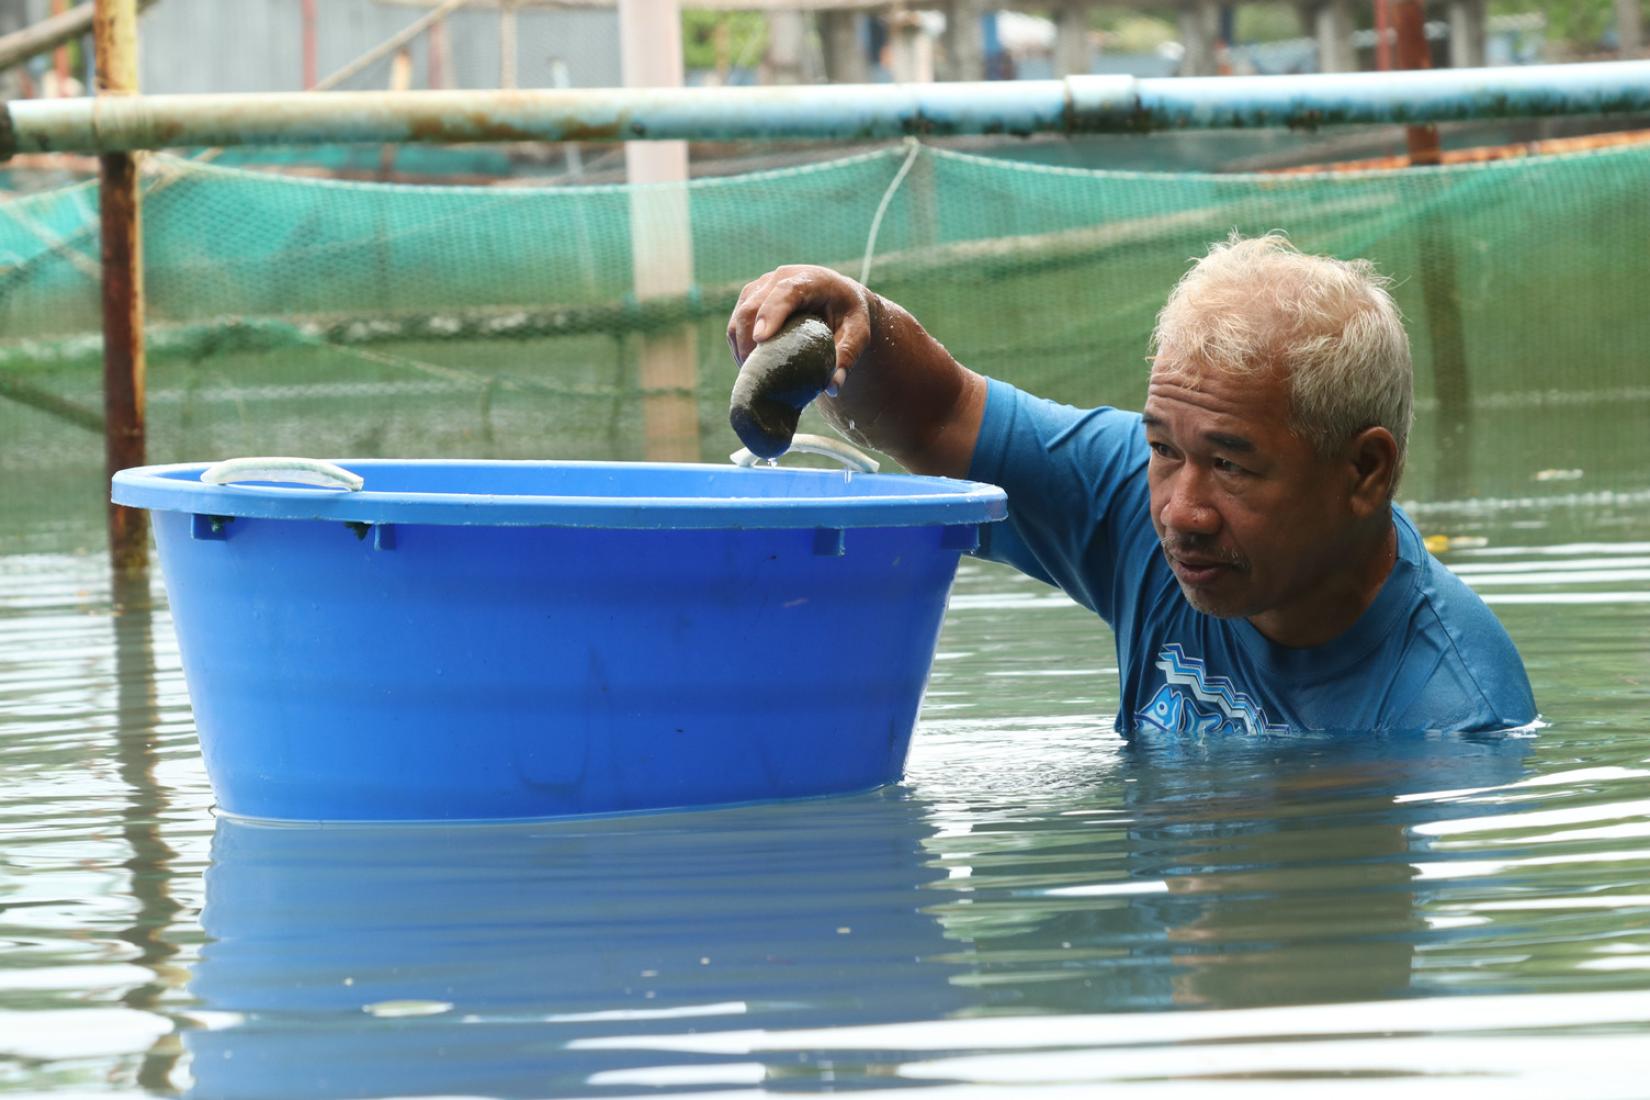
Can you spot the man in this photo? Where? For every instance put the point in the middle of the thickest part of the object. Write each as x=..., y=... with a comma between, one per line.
x=1239, y=535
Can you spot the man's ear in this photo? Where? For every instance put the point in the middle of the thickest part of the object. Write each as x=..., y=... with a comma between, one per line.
x=1373, y=456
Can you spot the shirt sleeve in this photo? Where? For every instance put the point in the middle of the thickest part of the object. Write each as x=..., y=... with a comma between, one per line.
x=1077, y=492
x=1469, y=677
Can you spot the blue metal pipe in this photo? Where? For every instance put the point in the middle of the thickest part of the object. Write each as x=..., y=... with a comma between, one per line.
x=1076, y=105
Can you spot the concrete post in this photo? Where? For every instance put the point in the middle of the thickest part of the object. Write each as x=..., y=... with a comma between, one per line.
x=507, y=36
x=1334, y=30
x=1629, y=27
x=1199, y=26
x=661, y=235
x=1467, y=27
x=845, y=60
x=787, y=47
x=964, y=40
x=307, y=17
x=1072, y=53
x=913, y=50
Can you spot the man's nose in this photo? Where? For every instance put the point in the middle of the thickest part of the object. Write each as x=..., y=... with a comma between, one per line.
x=1186, y=507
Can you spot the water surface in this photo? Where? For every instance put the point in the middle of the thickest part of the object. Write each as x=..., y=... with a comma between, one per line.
x=1040, y=910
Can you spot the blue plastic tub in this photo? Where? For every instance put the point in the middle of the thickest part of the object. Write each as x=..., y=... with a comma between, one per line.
x=476, y=640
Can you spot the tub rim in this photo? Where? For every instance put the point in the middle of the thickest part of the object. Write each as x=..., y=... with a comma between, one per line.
x=932, y=501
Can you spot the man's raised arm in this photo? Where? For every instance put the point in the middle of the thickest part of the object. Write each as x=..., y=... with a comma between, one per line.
x=896, y=388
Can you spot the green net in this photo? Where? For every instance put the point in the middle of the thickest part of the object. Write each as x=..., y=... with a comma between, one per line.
x=336, y=319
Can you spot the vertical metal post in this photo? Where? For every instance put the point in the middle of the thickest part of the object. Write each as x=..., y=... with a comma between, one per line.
x=1409, y=16
x=1383, y=35
x=114, y=32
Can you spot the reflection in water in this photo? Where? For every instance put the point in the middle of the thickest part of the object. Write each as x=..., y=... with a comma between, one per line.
x=382, y=960
x=1229, y=875
x=1290, y=870
x=519, y=960
x=1041, y=904
x=132, y=614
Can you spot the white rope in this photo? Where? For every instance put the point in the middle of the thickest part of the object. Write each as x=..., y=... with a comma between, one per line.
x=882, y=208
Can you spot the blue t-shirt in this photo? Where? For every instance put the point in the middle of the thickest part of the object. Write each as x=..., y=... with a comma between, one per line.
x=1426, y=655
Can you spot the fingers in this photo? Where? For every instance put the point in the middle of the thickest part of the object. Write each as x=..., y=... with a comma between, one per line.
x=853, y=334
x=789, y=291
x=741, y=340
x=768, y=302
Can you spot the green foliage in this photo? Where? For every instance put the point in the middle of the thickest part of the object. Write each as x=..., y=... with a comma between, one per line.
x=1577, y=24
x=1268, y=23
x=711, y=39
x=1132, y=32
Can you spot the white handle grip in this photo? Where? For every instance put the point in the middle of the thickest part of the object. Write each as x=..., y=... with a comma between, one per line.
x=300, y=471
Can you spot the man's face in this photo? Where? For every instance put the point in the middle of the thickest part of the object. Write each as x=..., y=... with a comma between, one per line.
x=1254, y=522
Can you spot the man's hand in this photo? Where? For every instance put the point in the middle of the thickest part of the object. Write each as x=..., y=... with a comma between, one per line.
x=768, y=302
x=895, y=389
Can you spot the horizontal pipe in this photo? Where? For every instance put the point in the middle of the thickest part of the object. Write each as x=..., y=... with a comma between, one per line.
x=1076, y=105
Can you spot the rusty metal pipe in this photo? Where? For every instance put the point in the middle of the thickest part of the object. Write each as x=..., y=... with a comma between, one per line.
x=115, y=34
x=1075, y=105
x=1409, y=17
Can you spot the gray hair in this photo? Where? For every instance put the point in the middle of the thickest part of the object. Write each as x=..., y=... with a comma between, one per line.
x=1256, y=304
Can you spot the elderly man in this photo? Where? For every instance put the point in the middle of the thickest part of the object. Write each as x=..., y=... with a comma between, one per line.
x=1240, y=535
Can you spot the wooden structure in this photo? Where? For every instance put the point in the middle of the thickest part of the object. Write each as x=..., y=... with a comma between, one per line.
x=1331, y=22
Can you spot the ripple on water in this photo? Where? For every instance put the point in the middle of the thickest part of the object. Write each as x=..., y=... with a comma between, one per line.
x=1040, y=909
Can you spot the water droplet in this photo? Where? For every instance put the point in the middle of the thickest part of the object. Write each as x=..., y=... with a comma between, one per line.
x=773, y=462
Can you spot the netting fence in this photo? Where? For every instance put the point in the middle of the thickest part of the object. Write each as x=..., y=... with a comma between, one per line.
x=336, y=319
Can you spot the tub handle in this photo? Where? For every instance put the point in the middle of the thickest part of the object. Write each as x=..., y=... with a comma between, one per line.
x=300, y=471
x=851, y=457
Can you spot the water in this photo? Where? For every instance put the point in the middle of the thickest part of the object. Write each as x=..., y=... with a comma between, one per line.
x=1039, y=911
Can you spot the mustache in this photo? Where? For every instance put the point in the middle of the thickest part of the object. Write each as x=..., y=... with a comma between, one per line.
x=1201, y=549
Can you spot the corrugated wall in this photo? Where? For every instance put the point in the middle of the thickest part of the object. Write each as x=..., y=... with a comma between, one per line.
x=257, y=45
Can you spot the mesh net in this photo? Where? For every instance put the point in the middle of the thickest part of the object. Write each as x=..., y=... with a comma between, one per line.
x=290, y=315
